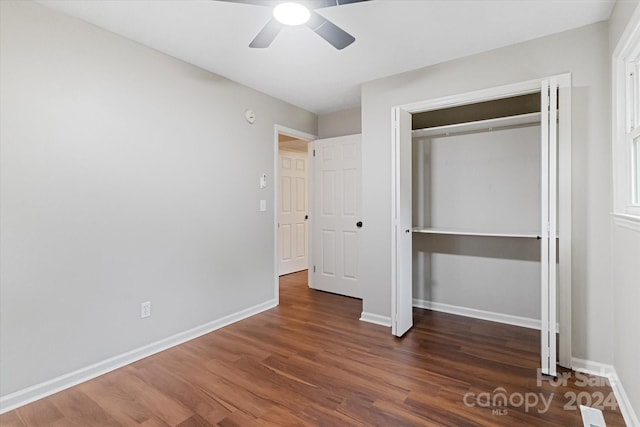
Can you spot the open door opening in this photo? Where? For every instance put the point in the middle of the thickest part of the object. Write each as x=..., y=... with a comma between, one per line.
x=318, y=199
x=477, y=210
x=292, y=243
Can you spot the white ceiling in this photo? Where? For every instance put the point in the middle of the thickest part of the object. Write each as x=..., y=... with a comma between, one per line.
x=392, y=36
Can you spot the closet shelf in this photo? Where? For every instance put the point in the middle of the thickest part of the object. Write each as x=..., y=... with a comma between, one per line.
x=462, y=232
x=480, y=125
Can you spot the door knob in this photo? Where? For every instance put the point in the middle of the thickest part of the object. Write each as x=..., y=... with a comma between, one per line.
x=359, y=224
x=407, y=231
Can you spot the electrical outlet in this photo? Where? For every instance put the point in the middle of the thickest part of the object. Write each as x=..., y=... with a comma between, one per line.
x=145, y=309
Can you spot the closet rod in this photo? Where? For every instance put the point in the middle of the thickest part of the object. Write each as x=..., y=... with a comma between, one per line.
x=489, y=125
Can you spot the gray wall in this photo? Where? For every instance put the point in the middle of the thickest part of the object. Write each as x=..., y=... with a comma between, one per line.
x=626, y=270
x=340, y=123
x=584, y=53
x=127, y=176
x=484, y=181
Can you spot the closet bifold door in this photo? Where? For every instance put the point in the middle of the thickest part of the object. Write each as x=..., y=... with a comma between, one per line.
x=548, y=242
x=402, y=294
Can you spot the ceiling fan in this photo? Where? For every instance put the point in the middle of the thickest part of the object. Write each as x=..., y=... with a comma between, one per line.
x=292, y=13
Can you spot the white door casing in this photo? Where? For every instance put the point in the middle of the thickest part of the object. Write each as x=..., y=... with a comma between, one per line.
x=292, y=212
x=337, y=195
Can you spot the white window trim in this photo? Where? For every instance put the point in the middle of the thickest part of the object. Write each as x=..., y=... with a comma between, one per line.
x=628, y=48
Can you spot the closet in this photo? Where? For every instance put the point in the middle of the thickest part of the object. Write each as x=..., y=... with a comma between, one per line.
x=476, y=210
x=476, y=216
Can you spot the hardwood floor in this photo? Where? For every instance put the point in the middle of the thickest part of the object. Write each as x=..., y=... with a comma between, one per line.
x=310, y=361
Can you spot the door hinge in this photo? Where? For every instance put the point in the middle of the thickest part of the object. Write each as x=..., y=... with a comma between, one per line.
x=314, y=152
x=314, y=268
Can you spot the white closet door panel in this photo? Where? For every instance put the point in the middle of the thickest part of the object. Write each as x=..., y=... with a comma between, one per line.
x=402, y=304
x=549, y=142
x=553, y=222
x=544, y=242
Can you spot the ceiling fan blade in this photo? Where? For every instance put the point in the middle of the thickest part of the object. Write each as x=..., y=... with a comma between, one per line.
x=267, y=34
x=267, y=3
x=318, y=4
x=349, y=1
x=329, y=31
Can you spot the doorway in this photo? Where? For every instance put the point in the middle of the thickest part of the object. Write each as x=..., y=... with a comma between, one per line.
x=555, y=203
x=329, y=215
x=295, y=143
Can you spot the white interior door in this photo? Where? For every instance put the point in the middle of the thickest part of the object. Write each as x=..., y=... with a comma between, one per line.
x=548, y=254
x=337, y=195
x=402, y=293
x=292, y=213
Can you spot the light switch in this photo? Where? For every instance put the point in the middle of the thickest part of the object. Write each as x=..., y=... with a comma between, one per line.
x=263, y=205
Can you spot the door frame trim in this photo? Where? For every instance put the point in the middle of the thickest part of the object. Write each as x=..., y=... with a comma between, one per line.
x=294, y=133
x=564, y=184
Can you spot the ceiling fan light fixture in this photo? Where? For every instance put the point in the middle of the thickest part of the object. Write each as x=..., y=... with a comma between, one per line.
x=292, y=14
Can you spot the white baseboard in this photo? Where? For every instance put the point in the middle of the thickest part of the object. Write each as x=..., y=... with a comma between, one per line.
x=590, y=367
x=509, y=319
x=376, y=319
x=47, y=388
x=608, y=371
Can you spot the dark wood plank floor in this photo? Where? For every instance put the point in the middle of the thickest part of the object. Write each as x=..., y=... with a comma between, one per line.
x=310, y=361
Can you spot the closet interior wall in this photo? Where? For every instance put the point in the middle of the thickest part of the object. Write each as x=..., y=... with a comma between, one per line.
x=482, y=181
